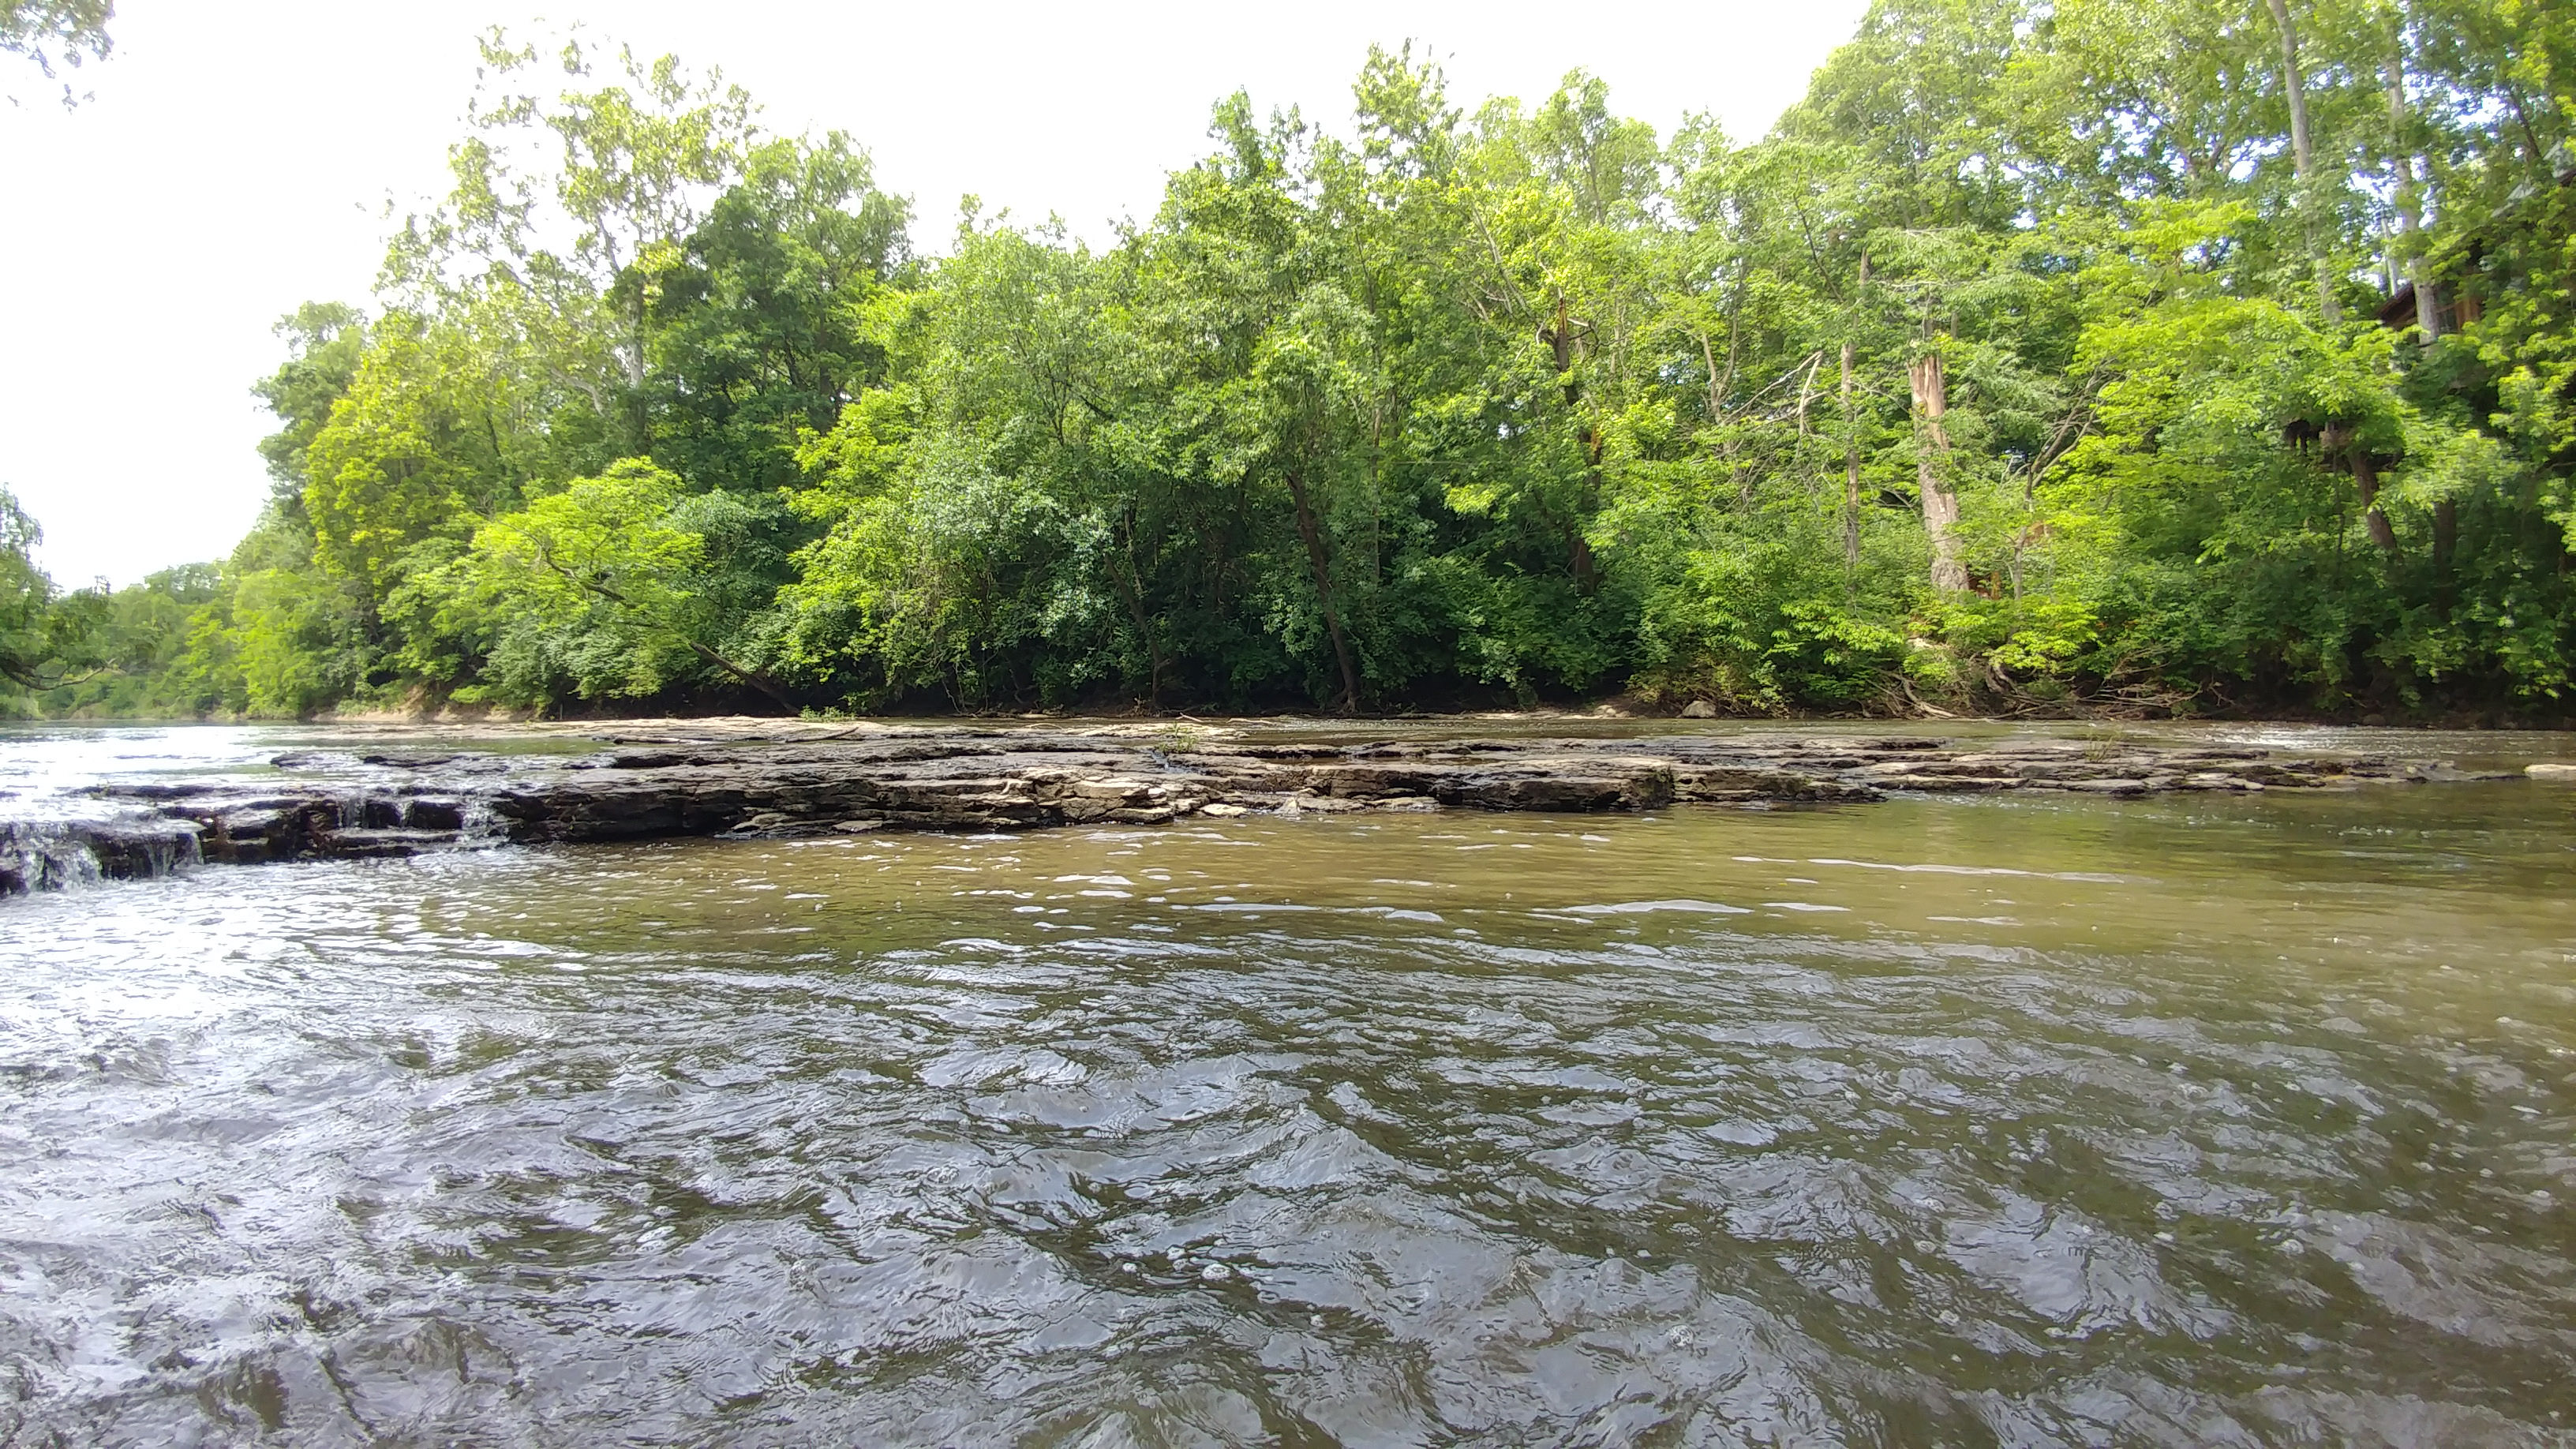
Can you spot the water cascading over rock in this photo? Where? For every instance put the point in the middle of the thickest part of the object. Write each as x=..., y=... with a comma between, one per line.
x=57, y=855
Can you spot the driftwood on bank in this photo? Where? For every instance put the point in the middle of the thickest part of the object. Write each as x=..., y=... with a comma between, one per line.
x=329, y=804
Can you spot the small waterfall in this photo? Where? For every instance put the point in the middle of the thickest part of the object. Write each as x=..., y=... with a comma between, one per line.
x=51, y=855
x=168, y=855
x=481, y=826
x=44, y=856
x=360, y=810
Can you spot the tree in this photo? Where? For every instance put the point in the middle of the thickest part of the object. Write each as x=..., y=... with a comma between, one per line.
x=2025, y=365
x=67, y=33
x=580, y=232
x=47, y=637
x=597, y=585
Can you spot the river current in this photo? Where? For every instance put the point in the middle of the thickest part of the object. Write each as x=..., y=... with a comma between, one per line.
x=1998, y=1120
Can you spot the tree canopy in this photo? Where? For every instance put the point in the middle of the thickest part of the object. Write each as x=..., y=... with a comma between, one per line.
x=55, y=35
x=2204, y=356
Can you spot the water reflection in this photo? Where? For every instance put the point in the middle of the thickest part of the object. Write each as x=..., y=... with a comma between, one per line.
x=1969, y=1121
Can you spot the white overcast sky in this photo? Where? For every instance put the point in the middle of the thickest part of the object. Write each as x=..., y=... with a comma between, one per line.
x=237, y=157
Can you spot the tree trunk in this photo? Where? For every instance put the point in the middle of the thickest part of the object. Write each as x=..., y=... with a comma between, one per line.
x=1851, y=449
x=2410, y=207
x=2339, y=439
x=1719, y=388
x=1315, y=557
x=1851, y=467
x=1932, y=457
x=633, y=360
x=1131, y=584
x=2303, y=157
x=2302, y=151
x=1560, y=343
x=752, y=677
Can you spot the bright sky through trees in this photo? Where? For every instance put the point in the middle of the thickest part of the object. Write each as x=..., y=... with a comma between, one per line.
x=236, y=160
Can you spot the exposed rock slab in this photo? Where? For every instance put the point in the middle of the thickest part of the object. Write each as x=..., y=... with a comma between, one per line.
x=325, y=804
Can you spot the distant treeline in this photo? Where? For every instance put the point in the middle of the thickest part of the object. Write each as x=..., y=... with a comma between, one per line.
x=2158, y=354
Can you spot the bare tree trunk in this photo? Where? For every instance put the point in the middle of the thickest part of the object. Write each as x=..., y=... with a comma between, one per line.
x=1940, y=505
x=1315, y=557
x=1560, y=342
x=752, y=677
x=2303, y=157
x=2339, y=438
x=1851, y=467
x=1851, y=449
x=2410, y=207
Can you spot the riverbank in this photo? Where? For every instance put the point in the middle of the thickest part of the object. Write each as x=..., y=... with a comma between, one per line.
x=1895, y=711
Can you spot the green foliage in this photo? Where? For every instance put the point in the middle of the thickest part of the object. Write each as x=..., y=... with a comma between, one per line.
x=56, y=32
x=46, y=635
x=2023, y=366
x=136, y=638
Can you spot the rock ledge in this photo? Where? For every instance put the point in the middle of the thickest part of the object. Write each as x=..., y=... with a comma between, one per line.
x=328, y=804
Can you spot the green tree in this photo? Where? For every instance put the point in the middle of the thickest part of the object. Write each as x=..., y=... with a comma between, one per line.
x=47, y=636
x=51, y=33
x=2095, y=354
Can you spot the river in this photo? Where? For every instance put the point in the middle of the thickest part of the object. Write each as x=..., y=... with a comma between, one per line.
x=2243, y=1119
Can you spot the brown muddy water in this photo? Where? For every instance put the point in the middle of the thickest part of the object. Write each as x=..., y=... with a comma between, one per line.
x=1995, y=1120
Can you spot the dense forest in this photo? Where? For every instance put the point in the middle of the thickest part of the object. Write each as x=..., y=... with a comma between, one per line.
x=2144, y=355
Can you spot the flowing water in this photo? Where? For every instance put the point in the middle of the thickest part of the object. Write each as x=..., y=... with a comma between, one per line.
x=2015, y=1120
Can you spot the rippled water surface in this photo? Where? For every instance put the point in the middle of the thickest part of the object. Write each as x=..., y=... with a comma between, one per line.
x=1998, y=1120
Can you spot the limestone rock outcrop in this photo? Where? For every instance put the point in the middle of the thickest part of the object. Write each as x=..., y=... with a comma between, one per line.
x=677, y=782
